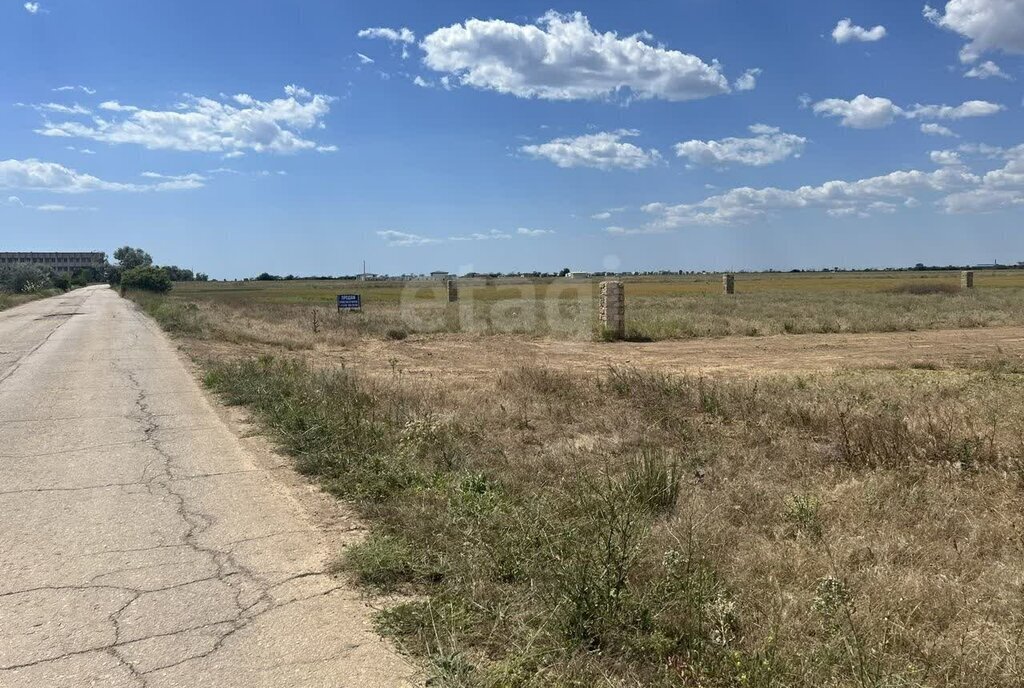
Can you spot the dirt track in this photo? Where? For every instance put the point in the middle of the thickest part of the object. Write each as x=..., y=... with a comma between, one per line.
x=465, y=359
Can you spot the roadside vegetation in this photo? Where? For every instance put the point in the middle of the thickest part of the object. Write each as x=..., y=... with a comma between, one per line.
x=542, y=528
x=26, y=282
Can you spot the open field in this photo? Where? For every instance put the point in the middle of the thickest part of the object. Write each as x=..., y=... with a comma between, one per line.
x=828, y=509
x=659, y=308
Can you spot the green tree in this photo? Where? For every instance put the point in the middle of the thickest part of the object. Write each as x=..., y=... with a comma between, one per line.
x=128, y=258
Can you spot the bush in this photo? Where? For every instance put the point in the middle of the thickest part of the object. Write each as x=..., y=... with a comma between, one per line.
x=25, y=278
x=147, y=278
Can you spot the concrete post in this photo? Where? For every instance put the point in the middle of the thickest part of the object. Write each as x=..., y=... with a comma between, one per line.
x=967, y=279
x=453, y=291
x=613, y=309
x=728, y=284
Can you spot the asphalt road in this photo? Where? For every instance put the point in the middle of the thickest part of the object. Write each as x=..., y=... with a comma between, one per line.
x=142, y=542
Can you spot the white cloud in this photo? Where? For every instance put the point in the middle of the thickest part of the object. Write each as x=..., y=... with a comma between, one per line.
x=987, y=70
x=748, y=80
x=999, y=188
x=604, y=151
x=396, y=238
x=864, y=112
x=604, y=215
x=59, y=108
x=937, y=130
x=526, y=231
x=945, y=157
x=989, y=24
x=562, y=58
x=769, y=145
x=847, y=31
x=37, y=175
x=481, y=236
x=402, y=35
x=364, y=59
x=114, y=106
x=970, y=108
x=207, y=125
x=327, y=149
x=33, y=7
x=83, y=89
x=839, y=197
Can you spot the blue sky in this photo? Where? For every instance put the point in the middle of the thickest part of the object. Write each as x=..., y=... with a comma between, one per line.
x=693, y=134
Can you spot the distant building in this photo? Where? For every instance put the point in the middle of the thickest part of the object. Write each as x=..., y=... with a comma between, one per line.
x=439, y=275
x=579, y=275
x=59, y=262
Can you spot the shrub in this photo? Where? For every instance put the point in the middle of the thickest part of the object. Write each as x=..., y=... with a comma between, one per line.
x=25, y=278
x=146, y=278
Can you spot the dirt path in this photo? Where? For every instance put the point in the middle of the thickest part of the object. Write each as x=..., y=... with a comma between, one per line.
x=463, y=359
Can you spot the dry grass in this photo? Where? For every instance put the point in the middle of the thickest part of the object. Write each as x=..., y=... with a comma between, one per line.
x=301, y=313
x=630, y=528
x=11, y=300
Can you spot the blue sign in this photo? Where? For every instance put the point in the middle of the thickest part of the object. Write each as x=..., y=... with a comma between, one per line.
x=350, y=302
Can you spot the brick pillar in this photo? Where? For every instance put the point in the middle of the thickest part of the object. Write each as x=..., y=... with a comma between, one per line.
x=613, y=309
x=728, y=284
x=453, y=291
x=967, y=279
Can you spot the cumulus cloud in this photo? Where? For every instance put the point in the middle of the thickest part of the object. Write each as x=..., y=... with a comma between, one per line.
x=748, y=80
x=846, y=31
x=37, y=175
x=33, y=7
x=971, y=108
x=562, y=58
x=526, y=231
x=933, y=129
x=604, y=151
x=989, y=24
x=402, y=35
x=999, y=188
x=945, y=157
x=207, y=125
x=865, y=112
x=987, y=70
x=769, y=145
x=840, y=197
x=959, y=190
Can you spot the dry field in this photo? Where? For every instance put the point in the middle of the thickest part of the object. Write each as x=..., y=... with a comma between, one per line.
x=841, y=508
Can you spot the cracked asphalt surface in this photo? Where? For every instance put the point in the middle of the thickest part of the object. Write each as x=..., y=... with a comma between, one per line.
x=141, y=541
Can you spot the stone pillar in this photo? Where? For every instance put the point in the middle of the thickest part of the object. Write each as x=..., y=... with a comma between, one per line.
x=967, y=279
x=728, y=284
x=613, y=310
x=453, y=290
